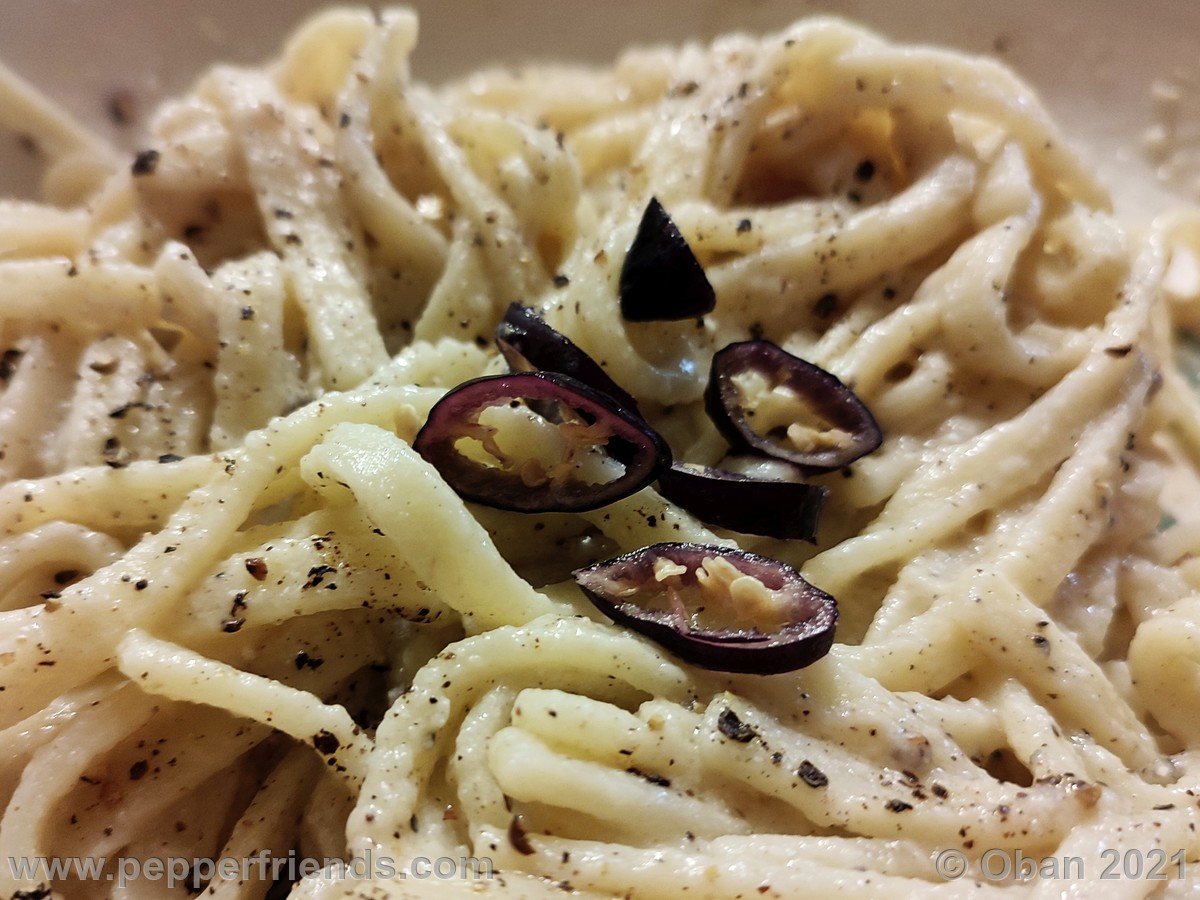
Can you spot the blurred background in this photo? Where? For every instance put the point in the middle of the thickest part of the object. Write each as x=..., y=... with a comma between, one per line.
x=1108, y=69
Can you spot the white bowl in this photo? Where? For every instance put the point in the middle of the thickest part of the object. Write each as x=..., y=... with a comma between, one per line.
x=1095, y=62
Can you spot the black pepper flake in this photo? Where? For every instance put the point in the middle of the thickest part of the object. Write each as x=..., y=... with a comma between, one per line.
x=561, y=281
x=8, y=362
x=898, y=806
x=141, y=584
x=734, y=728
x=744, y=226
x=649, y=776
x=114, y=458
x=825, y=306
x=257, y=567
x=121, y=108
x=316, y=575
x=939, y=791
x=138, y=769
x=865, y=171
x=247, y=313
x=1118, y=352
x=283, y=213
x=326, y=742
x=344, y=120
x=65, y=576
x=145, y=163
x=170, y=458
x=304, y=661
x=811, y=775
x=123, y=410
x=518, y=838
x=233, y=625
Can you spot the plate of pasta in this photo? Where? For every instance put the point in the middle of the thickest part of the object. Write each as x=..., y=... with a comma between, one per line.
x=758, y=464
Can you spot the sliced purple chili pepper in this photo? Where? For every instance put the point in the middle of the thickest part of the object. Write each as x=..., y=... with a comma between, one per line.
x=529, y=343
x=716, y=607
x=770, y=507
x=802, y=413
x=589, y=422
x=661, y=279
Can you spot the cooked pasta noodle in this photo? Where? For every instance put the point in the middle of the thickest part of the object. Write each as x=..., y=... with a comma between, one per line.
x=241, y=614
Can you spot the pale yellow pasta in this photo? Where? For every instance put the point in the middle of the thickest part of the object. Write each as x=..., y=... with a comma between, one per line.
x=240, y=614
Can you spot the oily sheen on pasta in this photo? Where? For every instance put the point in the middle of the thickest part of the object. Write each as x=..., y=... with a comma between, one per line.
x=241, y=614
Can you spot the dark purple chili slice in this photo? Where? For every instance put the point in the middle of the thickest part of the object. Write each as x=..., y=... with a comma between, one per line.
x=661, y=279
x=765, y=400
x=594, y=429
x=716, y=607
x=774, y=508
x=528, y=343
